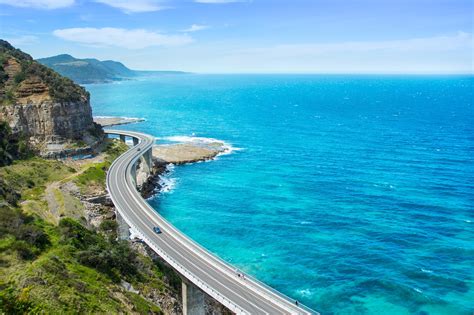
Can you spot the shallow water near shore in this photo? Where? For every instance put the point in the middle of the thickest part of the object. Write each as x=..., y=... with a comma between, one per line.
x=351, y=194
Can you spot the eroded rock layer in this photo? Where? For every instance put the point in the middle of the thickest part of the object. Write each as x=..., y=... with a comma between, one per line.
x=52, y=112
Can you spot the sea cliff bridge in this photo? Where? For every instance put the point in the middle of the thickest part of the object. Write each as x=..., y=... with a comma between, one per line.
x=197, y=266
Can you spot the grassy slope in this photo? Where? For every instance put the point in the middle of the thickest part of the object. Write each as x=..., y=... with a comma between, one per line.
x=65, y=268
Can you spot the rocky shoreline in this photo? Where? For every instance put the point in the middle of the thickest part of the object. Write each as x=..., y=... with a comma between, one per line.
x=182, y=153
x=108, y=121
x=177, y=154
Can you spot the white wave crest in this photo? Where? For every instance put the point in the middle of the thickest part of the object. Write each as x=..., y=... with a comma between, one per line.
x=305, y=292
x=166, y=182
x=121, y=117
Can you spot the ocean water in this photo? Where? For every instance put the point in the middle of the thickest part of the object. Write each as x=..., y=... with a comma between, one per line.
x=351, y=194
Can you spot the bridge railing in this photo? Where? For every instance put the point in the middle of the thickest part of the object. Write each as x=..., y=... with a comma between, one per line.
x=187, y=274
x=176, y=265
x=257, y=284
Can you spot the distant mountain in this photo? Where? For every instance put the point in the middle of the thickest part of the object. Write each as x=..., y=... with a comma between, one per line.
x=87, y=70
x=91, y=70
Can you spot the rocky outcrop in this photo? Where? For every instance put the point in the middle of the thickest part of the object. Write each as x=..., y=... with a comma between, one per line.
x=190, y=152
x=115, y=121
x=53, y=127
x=52, y=112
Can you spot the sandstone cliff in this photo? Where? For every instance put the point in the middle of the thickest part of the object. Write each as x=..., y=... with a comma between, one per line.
x=52, y=112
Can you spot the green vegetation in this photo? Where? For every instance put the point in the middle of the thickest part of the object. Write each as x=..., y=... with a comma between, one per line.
x=111, y=257
x=11, y=146
x=87, y=70
x=19, y=232
x=61, y=89
x=68, y=269
x=29, y=177
x=51, y=268
x=84, y=71
x=94, y=175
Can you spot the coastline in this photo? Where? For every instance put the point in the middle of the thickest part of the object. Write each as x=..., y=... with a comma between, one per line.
x=108, y=121
x=175, y=150
x=186, y=150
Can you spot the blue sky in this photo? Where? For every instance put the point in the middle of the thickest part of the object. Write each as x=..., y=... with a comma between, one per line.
x=266, y=36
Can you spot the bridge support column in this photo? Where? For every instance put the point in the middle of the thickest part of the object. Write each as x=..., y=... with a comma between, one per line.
x=122, y=138
x=193, y=299
x=123, y=228
x=147, y=161
x=135, y=141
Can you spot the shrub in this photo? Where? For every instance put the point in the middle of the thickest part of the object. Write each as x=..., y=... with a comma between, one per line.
x=30, y=240
x=13, y=303
x=12, y=146
x=25, y=250
x=33, y=235
x=114, y=258
x=108, y=225
x=76, y=234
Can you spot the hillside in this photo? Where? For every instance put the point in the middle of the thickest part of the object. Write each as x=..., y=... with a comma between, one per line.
x=22, y=78
x=60, y=253
x=49, y=111
x=60, y=247
x=89, y=70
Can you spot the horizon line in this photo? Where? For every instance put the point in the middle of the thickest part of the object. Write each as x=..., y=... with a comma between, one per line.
x=317, y=73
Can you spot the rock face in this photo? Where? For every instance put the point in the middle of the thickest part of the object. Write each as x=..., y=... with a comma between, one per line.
x=52, y=112
x=189, y=152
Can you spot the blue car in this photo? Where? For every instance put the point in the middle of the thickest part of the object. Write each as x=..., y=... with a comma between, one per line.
x=156, y=230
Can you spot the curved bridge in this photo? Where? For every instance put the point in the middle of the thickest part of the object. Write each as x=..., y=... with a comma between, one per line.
x=242, y=295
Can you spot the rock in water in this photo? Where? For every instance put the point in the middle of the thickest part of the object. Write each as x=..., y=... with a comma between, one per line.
x=51, y=111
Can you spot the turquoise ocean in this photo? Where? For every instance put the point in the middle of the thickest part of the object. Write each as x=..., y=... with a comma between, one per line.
x=351, y=194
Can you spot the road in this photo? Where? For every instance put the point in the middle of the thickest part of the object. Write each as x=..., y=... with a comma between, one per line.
x=242, y=295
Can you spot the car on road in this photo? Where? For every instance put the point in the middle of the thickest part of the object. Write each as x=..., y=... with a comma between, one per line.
x=157, y=230
x=138, y=149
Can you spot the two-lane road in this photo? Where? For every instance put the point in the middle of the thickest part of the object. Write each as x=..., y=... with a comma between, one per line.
x=213, y=275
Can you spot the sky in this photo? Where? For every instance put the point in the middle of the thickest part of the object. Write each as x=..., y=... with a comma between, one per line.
x=250, y=36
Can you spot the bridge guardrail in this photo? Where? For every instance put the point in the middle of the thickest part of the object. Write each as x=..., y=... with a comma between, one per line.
x=256, y=284
x=190, y=276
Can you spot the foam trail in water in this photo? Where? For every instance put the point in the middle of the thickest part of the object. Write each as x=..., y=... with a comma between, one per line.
x=166, y=182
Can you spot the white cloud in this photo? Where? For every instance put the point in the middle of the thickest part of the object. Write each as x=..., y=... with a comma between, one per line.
x=438, y=43
x=135, y=6
x=23, y=40
x=131, y=39
x=195, y=28
x=453, y=53
x=218, y=1
x=39, y=4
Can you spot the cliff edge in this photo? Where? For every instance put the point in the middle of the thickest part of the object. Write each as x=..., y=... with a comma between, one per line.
x=50, y=111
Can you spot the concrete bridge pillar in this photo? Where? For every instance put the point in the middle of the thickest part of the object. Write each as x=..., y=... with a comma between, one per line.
x=122, y=138
x=193, y=299
x=147, y=161
x=135, y=141
x=123, y=228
